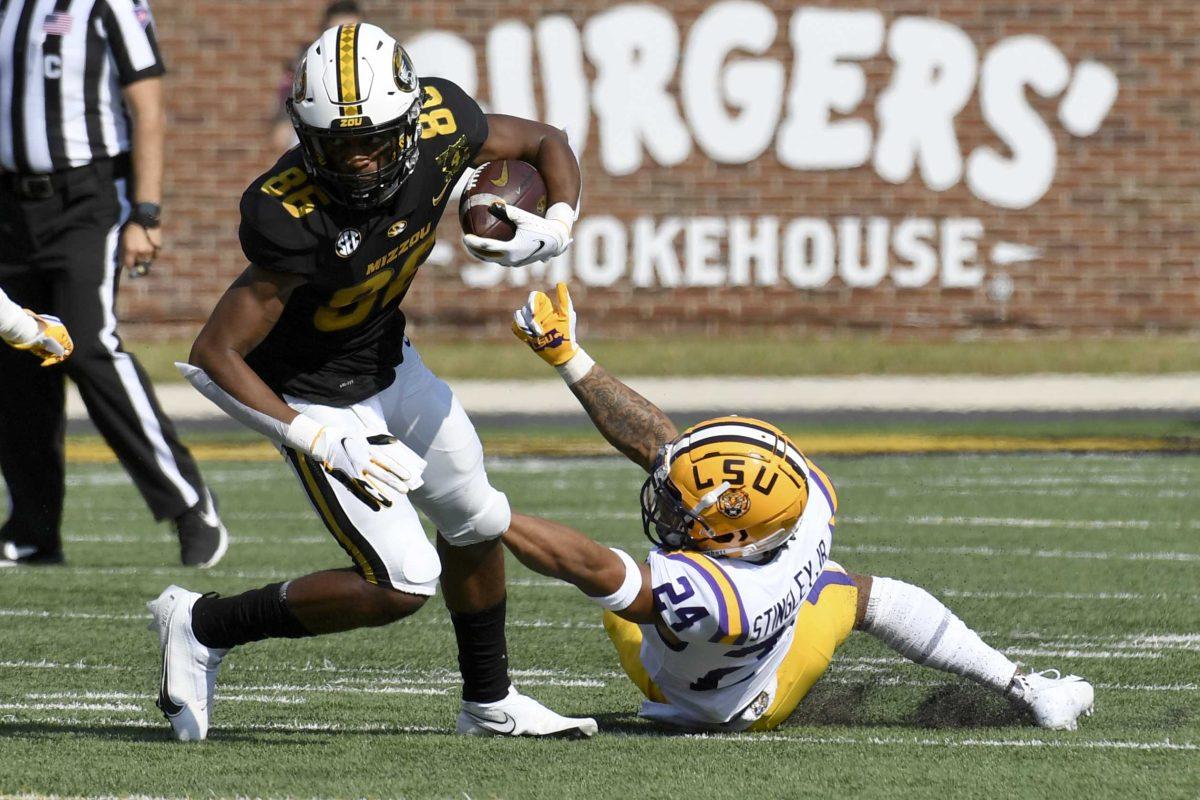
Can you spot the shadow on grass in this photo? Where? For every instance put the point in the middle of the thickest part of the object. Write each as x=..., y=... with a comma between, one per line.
x=950, y=706
x=110, y=731
x=866, y=705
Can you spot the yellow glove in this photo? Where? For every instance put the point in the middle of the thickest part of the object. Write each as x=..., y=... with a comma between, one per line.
x=548, y=327
x=53, y=344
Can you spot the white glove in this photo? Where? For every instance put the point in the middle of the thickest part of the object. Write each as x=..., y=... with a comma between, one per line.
x=536, y=239
x=375, y=468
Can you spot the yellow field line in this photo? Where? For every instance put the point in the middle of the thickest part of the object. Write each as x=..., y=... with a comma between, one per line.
x=90, y=451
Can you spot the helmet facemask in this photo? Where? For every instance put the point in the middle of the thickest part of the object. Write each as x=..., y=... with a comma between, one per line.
x=665, y=520
x=329, y=156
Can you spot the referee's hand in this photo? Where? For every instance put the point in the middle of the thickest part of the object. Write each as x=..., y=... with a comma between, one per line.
x=139, y=248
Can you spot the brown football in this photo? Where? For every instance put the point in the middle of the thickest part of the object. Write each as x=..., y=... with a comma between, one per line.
x=512, y=182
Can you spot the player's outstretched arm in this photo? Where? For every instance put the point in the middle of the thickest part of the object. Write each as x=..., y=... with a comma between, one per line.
x=610, y=577
x=629, y=422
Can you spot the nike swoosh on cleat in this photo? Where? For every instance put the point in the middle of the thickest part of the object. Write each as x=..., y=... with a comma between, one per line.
x=484, y=722
x=165, y=704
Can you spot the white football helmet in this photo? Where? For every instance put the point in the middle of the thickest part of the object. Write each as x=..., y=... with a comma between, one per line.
x=356, y=107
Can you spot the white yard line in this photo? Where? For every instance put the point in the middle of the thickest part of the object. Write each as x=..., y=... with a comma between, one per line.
x=1065, y=744
x=70, y=707
x=294, y=726
x=1010, y=552
x=299, y=726
x=1025, y=522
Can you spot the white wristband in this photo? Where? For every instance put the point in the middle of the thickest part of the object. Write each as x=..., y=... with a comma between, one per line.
x=302, y=434
x=623, y=598
x=16, y=326
x=563, y=214
x=577, y=368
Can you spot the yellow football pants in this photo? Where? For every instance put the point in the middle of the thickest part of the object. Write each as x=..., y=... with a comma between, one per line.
x=820, y=630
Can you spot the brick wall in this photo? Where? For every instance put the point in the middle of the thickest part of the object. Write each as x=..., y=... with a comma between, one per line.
x=1115, y=233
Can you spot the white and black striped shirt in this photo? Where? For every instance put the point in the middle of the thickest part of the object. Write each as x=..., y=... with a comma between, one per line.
x=63, y=64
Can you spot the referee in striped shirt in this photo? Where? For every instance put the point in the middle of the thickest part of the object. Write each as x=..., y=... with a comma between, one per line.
x=81, y=163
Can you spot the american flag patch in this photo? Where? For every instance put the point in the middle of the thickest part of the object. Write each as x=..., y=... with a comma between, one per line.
x=143, y=15
x=58, y=23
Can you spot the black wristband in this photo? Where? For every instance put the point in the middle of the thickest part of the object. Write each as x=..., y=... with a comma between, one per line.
x=148, y=215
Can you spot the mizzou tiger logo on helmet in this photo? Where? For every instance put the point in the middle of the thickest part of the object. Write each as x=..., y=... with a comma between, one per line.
x=730, y=486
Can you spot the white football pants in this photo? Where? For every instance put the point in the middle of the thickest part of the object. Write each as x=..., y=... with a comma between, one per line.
x=389, y=546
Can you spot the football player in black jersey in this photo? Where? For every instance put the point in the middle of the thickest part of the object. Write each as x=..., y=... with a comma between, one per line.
x=307, y=346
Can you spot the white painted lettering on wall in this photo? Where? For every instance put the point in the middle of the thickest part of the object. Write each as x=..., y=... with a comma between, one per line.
x=660, y=93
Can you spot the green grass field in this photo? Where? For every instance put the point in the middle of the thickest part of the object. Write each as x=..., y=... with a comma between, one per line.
x=1088, y=563
x=787, y=356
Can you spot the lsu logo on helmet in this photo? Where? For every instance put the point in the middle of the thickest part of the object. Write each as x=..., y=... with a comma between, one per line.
x=730, y=486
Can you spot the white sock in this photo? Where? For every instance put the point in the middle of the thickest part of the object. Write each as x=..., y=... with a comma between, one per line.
x=16, y=326
x=915, y=624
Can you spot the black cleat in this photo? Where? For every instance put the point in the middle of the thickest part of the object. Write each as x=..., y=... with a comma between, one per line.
x=20, y=555
x=203, y=539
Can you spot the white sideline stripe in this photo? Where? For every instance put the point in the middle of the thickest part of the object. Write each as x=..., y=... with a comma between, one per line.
x=1093, y=744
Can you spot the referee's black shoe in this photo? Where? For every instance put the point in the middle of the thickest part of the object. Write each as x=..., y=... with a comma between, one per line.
x=203, y=539
x=19, y=555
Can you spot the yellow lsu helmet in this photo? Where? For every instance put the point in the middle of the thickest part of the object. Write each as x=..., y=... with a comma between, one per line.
x=730, y=486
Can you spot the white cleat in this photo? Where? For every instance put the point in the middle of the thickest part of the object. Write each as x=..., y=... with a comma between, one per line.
x=519, y=715
x=189, y=669
x=1056, y=702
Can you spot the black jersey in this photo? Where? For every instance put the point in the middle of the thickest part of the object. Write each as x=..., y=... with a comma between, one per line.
x=342, y=332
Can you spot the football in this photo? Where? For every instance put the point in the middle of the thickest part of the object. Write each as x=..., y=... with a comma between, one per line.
x=509, y=182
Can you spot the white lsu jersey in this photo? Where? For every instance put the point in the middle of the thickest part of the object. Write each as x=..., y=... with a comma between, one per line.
x=734, y=618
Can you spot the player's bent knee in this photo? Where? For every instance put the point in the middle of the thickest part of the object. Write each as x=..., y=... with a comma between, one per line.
x=383, y=605
x=488, y=523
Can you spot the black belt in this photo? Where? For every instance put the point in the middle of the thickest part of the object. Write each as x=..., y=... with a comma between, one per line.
x=45, y=186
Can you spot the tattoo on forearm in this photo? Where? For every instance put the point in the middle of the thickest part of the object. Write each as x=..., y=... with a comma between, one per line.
x=630, y=422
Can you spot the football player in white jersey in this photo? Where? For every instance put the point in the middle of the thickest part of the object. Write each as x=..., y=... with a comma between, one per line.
x=738, y=608
x=41, y=334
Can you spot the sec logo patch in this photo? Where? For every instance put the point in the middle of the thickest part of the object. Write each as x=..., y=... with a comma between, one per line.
x=397, y=228
x=347, y=242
